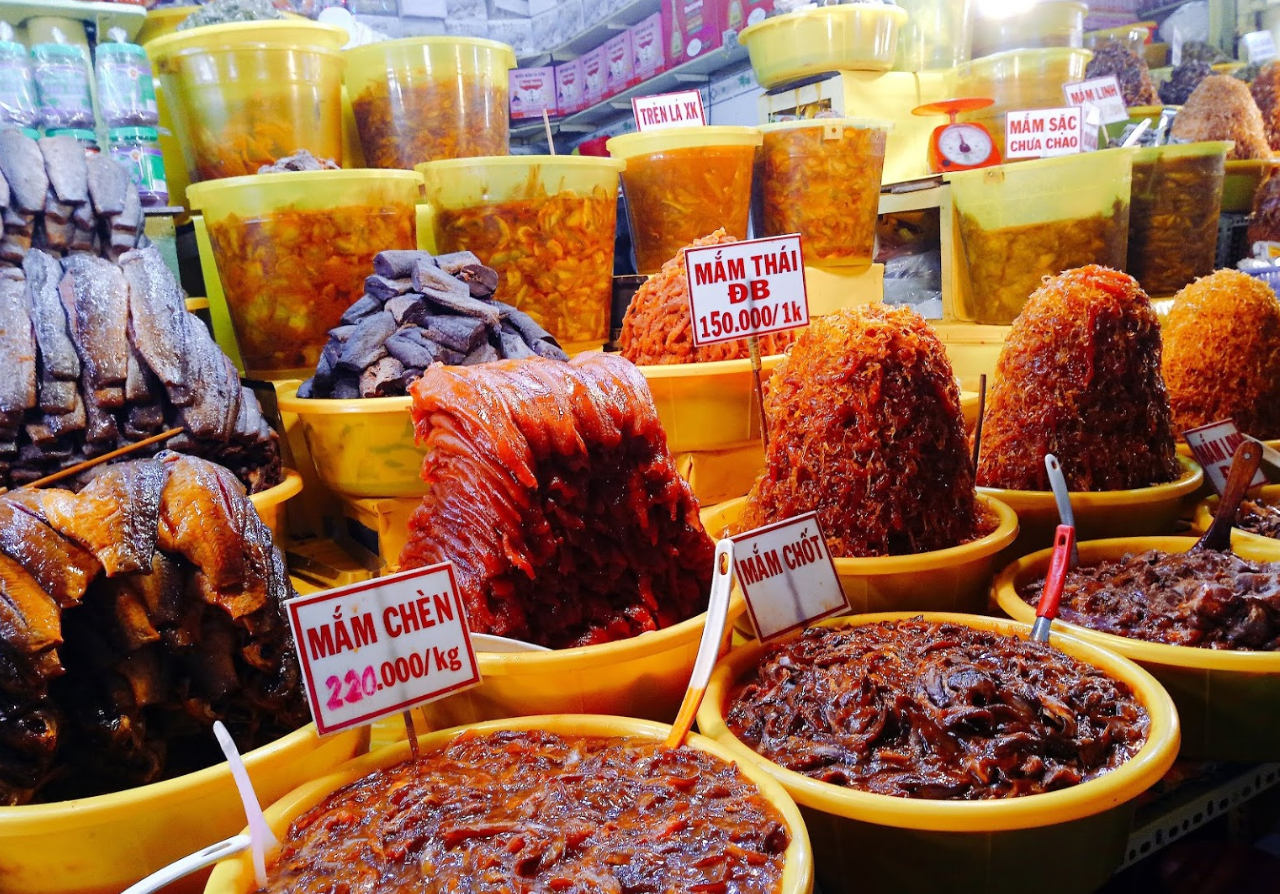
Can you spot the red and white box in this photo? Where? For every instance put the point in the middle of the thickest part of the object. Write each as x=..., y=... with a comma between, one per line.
x=533, y=91
x=595, y=77
x=691, y=28
x=646, y=45
x=569, y=87
x=620, y=62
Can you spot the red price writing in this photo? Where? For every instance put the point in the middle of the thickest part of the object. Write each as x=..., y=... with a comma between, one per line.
x=363, y=684
x=718, y=324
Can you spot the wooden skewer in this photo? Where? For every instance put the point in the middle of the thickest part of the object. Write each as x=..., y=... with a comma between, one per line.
x=99, y=460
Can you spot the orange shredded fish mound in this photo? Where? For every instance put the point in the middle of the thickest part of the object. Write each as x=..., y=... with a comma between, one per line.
x=1079, y=377
x=658, y=328
x=866, y=429
x=1222, y=354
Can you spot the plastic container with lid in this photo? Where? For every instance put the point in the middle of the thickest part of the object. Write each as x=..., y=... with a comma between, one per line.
x=546, y=224
x=245, y=94
x=685, y=183
x=1020, y=26
x=19, y=104
x=293, y=251
x=821, y=178
x=1069, y=840
x=1020, y=79
x=937, y=34
x=1173, y=214
x=138, y=149
x=851, y=36
x=422, y=99
x=1134, y=37
x=1022, y=222
x=87, y=139
x=61, y=73
x=126, y=91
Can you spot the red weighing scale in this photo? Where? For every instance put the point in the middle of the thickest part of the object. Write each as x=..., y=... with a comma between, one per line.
x=959, y=146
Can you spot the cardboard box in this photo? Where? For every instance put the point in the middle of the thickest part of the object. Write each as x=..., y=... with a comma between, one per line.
x=569, y=87
x=691, y=28
x=646, y=45
x=595, y=77
x=741, y=13
x=620, y=63
x=533, y=91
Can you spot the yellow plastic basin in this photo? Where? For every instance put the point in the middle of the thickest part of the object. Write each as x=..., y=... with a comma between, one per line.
x=270, y=502
x=1203, y=518
x=546, y=224
x=644, y=676
x=235, y=876
x=1242, y=179
x=245, y=94
x=866, y=842
x=1113, y=513
x=798, y=44
x=101, y=845
x=362, y=447
x=1225, y=699
x=708, y=406
x=293, y=251
x=954, y=579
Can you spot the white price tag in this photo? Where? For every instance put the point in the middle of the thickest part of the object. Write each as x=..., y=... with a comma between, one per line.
x=1104, y=93
x=374, y=649
x=1214, y=446
x=1261, y=47
x=746, y=288
x=787, y=576
x=682, y=109
x=1044, y=133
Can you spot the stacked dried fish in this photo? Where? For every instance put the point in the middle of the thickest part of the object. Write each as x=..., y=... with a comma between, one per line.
x=100, y=350
x=418, y=310
x=134, y=614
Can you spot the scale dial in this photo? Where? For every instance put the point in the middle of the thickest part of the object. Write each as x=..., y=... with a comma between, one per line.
x=964, y=146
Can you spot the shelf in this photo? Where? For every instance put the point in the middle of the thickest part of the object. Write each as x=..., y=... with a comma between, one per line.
x=103, y=16
x=631, y=14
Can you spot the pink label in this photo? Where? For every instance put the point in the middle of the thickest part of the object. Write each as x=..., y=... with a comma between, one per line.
x=595, y=73
x=1214, y=446
x=621, y=63
x=646, y=44
x=533, y=91
x=569, y=87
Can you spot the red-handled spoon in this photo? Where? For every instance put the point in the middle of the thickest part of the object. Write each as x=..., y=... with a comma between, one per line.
x=1047, y=610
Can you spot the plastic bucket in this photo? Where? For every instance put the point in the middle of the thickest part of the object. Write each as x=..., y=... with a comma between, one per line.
x=937, y=34
x=546, y=224
x=293, y=251
x=425, y=98
x=830, y=38
x=269, y=503
x=708, y=406
x=245, y=94
x=685, y=183
x=1051, y=23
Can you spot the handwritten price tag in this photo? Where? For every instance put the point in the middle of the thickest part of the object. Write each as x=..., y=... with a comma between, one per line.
x=1044, y=133
x=746, y=288
x=374, y=649
x=1214, y=445
x=787, y=576
x=682, y=109
x=1104, y=93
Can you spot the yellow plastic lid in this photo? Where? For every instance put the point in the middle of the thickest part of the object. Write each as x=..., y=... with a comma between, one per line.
x=858, y=123
x=519, y=161
x=281, y=34
x=632, y=145
x=843, y=11
x=375, y=49
x=1147, y=154
x=198, y=194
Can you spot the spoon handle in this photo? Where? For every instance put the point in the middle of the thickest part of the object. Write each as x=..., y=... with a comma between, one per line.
x=189, y=864
x=1244, y=465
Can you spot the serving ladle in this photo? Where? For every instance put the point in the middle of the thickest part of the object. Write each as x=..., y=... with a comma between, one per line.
x=1244, y=465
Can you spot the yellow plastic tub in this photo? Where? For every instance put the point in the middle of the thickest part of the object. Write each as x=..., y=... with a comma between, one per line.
x=821, y=178
x=270, y=502
x=954, y=579
x=546, y=224
x=245, y=94
x=1067, y=841
x=361, y=448
x=1133, y=37
x=1019, y=79
x=938, y=34
x=235, y=876
x=644, y=676
x=1224, y=698
x=419, y=99
x=1022, y=222
x=1139, y=512
x=1240, y=538
x=293, y=251
x=685, y=183
x=1014, y=26
x=162, y=22
x=830, y=38
x=708, y=406
x=1241, y=182
x=101, y=845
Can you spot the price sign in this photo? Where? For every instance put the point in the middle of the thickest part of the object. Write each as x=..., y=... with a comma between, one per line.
x=787, y=576
x=1044, y=133
x=1104, y=93
x=374, y=649
x=682, y=109
x=746, y=288
x=1260, y=46
x=1214, y=445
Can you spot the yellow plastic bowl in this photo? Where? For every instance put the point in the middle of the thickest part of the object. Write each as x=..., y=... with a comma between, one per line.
x=954, y=579
x=793, y=46
x=708, y=406
x=270, y=502
x=361, y=448
x=235, y=876
x=644, y=676
x=1242, y=180
x=867, y=842
x=101, y=845
x=1112, y=513
x=1225, y=699
x=1203, y=518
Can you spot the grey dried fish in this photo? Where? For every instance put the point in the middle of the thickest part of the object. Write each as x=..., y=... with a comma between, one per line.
x=464, y=304
x=399, y=264
x=481, y=281
x=365, y=346
x=406, y=307
x=486, y=353
x=514, y=347
x=17, y=347
x=108, y=184
x=411, y=352
x=382, y=378
x=342, y=333
x=384, y=289
x=23, y=169
x=455, y=261
x=49, y=316
x=457, y=333
x=66, y=167
x=365, y=307
x=431, y=280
